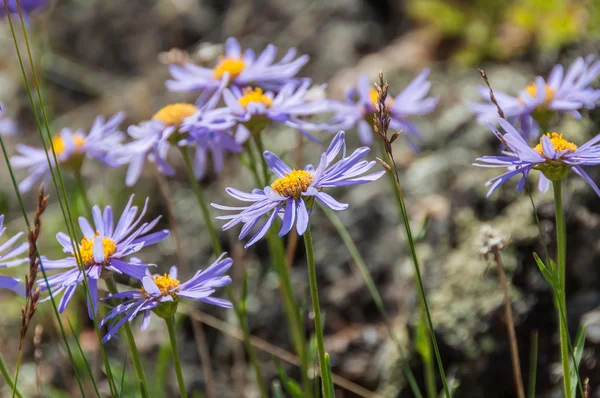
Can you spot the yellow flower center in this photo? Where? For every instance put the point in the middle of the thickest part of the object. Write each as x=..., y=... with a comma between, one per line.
x=374, y=96
x=86, y=248
x=532, y=90
x=59, y=144
x=234, y=66
x=255, y=95
x=558, y=142
x=164, y=283
x=293, y=184
x=174, y=114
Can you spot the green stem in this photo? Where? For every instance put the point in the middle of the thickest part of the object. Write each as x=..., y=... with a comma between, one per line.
x=239, y=312
x=214, y=238
x=9, y=379
x=17, y=367
x=314, y=293
x=362, y=269
x=561, y=243
x=277, y=253
x=135, y=355
x=171, y=327
x=418, y=278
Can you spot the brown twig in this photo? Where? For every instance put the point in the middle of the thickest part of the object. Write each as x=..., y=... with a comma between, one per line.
x=492, y=244
x=32, y=292
x=37, y=355
x=492, y=97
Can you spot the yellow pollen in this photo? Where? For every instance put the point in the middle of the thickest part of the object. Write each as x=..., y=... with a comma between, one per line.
x=234, y=66
x=59, y=144
x=293, y=184
x=374, y=96
x=254, y=95
x=86, y=248
x=174, y=114
x=558, y=142
x=532, y=90
x=165, y=284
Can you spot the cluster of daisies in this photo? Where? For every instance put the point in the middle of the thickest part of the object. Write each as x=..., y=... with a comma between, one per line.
x=238, y=98
x=528, y=142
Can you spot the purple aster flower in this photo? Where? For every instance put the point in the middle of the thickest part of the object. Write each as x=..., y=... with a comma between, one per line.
x=251, y=109
x=239, y=70
x=27, y=6
x=152, y=139
x=9, y=253
x=563, y=92
x=161, y=294
x=7, y=126
x=292, y=194
x=103, y=249
x=553, y=156
x=361, y=102
x=71, y=148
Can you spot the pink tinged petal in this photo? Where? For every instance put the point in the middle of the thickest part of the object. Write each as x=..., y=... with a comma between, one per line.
x=301, y=218
x=548, y=147
x=152, y=238
x=241, y=134
x=86, y=228
x=247, y=228
x=277, y=165
x=137, y=271
x=365, y=132
x=150, y=287
x=98, y=221
x=218, y=302
x=232, y=48
x=330, y=202
x=196, y=294
x=98, y=250
x=173, y=272
x=93, y=292
x=12, y=284
x=288, y=217
x=578, y=170
x=146, y=320
x=263, y=230
x=244, y=196
x=543, y=183
x=70, y=290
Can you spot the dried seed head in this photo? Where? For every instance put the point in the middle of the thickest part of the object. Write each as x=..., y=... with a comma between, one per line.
x=384, y=164
x=490, y=241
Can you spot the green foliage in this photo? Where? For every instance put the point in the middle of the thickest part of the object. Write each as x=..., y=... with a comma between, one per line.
x=500, y=29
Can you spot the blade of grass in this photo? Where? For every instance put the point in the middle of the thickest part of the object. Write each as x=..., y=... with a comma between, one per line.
x=87, y=364
x=533, y=357
x=66, y=215
x=8, y=378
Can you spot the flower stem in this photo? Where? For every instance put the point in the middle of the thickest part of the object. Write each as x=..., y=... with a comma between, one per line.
x=314, y=293
x=83, y=198
x=135, y=355
x=239, y=312
x=171, y=326
x=424, y=307
x=214, y=238
x=9, y=379
x=561, y=243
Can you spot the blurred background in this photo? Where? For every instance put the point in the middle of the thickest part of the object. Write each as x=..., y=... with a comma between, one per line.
x=101, y=57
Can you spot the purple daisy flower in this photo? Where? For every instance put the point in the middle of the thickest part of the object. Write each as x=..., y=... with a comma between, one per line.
x=553, y=156
x=103, y=249
x=239, y=70
x=7, y=126
x=563, y=92
x=251, y=109
x=152, y=139
x=361, y=101
x=292, y=194
x=161, y=294
x=8, y=258
x=72, y=147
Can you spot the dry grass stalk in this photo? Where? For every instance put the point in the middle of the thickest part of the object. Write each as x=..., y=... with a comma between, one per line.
x=491, y=245
x=37, y=355
x=32, y=292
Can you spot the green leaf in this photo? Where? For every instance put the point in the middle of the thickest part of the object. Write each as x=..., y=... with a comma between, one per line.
x=276, y=387
x=546, y=272
x=328, y=378
x=290, y=385
x=453, y=385
x=577, y=353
